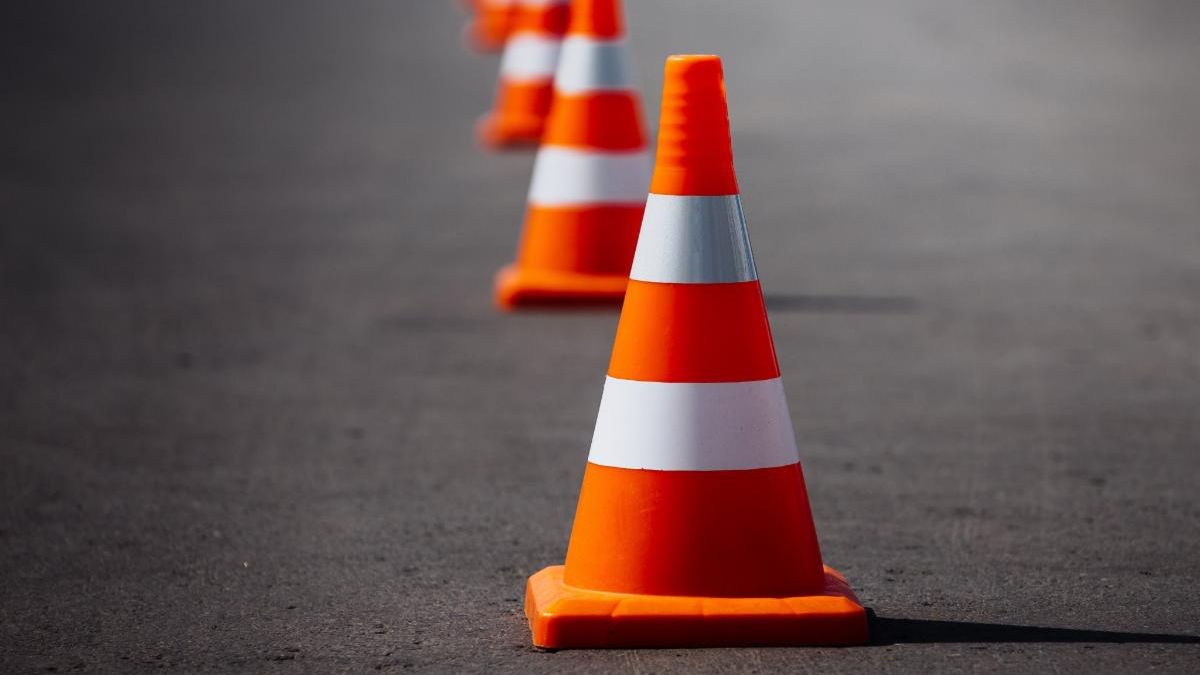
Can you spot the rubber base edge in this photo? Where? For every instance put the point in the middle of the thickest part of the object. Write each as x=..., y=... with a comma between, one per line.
x=517, y=287
x=564, y=617
x=525, y=135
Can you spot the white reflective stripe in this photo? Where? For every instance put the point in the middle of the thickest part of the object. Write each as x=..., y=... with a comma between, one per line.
x=588, y=64
x=567, y=176
x=693, y=240
x=529, y=56
x=683, y=426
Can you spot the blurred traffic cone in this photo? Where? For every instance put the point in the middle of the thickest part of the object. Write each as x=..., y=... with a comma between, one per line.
x=489, y=29
x=526, y=83
x=591, y=174
x=693, y=526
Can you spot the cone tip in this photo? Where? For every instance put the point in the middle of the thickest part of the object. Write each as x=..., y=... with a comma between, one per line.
x=695, y=154
x=690, y=66
x=687, y=59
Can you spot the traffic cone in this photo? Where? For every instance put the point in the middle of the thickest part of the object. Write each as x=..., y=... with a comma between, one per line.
x=489, y=29
x=526, y=83
x=589, y=180
x=693, y=526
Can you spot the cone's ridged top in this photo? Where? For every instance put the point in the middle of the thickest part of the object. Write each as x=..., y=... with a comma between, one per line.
x=596, y=18
x=695, y=153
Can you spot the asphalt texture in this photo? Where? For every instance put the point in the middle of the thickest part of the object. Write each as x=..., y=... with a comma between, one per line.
x=258, y=414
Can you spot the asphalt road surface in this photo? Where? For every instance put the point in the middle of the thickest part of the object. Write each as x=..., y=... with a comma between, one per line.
x=258, y=414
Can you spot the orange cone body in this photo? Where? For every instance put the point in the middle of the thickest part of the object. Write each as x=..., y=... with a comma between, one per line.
x=489, y=29
x=526, y=82
x=693, y=526
x=589, y=182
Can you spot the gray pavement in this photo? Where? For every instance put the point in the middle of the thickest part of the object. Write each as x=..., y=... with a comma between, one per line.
x=257, y=413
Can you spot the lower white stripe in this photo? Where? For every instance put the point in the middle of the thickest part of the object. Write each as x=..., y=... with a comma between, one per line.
x=568, y=176
x=529, y=56
x=685, y=426
x=693, y=240
x=588, y=64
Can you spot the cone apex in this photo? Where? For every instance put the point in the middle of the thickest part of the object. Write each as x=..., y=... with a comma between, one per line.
x=695, y=151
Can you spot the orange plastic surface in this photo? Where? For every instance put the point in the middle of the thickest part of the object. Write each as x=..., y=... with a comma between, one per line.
x=567, y=617
x=693, y=333
x=744, y=533
x=536, y=17
x=517, y=287
x=600, y=120
x=519, y=116
x=695, y=152
x=582, y=239
x=489, y=30
x=596, y=18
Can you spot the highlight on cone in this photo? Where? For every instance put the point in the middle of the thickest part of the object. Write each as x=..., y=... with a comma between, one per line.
x=693, y=526
x=591, y=174
x=491, y=24
x=526, y=82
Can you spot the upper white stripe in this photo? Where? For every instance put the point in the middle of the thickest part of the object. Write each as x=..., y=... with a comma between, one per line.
x=588, y=64
x=529, y=56
x=682, y=426
x=568, y=176
x=693, y=240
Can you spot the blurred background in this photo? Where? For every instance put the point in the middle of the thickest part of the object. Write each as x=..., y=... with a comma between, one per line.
x=257, y=411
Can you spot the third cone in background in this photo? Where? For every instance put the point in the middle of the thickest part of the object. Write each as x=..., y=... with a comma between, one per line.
x=590, y=177
x=526, y=80
x=491, y=24
x=693, y=526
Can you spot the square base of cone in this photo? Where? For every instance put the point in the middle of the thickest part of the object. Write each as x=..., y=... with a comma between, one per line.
x=517, y=287
x=512, y=134
x=564, y=617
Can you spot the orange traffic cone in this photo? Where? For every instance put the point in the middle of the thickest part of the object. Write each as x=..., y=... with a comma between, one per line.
x=489, y=29
x=526, y=83
x=590, y=177
x=693, y=526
